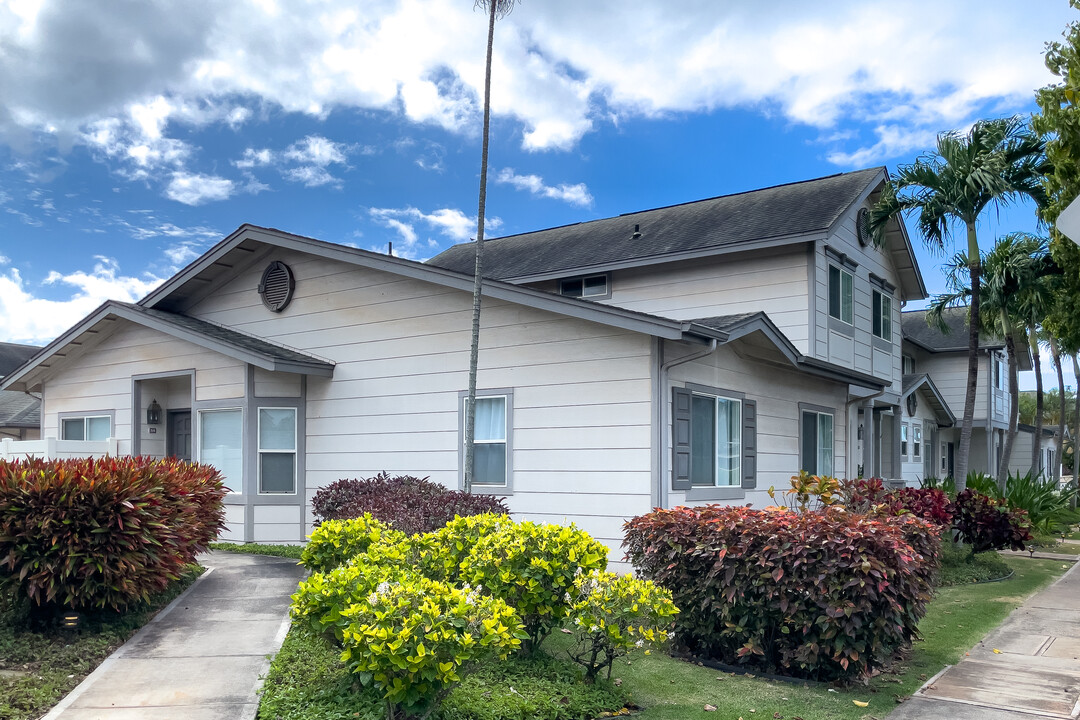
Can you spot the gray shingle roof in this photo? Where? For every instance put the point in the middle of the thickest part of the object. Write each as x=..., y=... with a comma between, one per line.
x=916, y=330
x=12, y=355
x=721, y=222
x=229, y=337
x=19, y=410
x=723, y=323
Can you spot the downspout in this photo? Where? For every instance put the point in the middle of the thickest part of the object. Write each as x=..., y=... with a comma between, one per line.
x=660, y=400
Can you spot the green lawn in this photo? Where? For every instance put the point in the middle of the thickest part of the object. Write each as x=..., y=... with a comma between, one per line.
x=50, y=664
x=287, y=551
x=306, y=681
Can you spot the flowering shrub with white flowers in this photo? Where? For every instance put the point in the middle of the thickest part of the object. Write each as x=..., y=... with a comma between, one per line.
x=321, y=599
x=614, y=615
x=414, y=639
x=532, y=567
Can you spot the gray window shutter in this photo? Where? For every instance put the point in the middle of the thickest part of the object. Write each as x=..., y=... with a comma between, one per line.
x=680, y=439
x=749, y=444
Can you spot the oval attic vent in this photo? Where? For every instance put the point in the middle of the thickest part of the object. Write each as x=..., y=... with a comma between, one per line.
x=276, y=287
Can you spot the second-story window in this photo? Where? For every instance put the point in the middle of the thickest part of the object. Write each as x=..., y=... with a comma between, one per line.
x=585, y=287
x=908, y=365
x=999, y=375
x=840, y=289
x=882, y=315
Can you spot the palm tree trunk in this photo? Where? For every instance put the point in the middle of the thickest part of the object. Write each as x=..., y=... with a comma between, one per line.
x=964, y=451
x=1036, y=444
x=474, y=346
x=1055, y=350
x=1076, y=433
x=1014, y=403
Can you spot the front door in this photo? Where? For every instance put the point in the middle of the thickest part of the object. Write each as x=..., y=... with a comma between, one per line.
x=179, y=434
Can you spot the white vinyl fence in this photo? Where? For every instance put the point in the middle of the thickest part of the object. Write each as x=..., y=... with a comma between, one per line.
x=53, y=449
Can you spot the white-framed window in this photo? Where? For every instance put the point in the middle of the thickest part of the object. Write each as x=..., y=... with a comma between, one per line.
x=840, y=292
x=277, y=451
x=881, y=312
x=916, y=441
x=585, y=287
x=999, y=372
x=715, y=441
x=944, y=458
x=90, y=427
x=221, y=444
x=817, y=442
x=907, y=364
x=904, y=440
x=490, y=435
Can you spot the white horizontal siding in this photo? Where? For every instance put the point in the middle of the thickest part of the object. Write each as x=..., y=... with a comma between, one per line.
x=773, y=282
x=581, y=391
x=100, y=378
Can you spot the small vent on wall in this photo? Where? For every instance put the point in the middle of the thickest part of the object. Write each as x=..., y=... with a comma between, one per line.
x=276, y=286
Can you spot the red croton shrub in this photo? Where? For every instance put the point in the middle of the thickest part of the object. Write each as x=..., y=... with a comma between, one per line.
x=986, y=523
x=94, y=533
x=409, y=504
x=822, y=595
x=869, y=494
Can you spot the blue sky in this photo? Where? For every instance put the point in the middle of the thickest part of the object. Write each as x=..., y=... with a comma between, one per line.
x=134, y=135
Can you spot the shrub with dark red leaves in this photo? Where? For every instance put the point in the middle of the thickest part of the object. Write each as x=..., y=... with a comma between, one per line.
x=987, y=523
x=871, y=495
x=824, y=595
x=410, y=504
x=94, y=533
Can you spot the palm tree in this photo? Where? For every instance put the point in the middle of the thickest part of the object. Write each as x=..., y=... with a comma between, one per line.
x=495, y=9
x=995, y=163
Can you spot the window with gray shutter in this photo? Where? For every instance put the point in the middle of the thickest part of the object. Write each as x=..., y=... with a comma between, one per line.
x=749, y=444
x=680, y=438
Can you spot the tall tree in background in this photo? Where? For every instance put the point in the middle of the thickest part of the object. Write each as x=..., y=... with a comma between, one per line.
x=495, y=9
x=1058, y=122
x=1007, y=296
x=996, y=162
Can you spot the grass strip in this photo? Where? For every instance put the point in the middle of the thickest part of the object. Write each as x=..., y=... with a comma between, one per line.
x=285, y=551
x=41, y=668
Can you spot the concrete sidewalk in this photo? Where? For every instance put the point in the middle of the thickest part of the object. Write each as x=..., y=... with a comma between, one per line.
x=1035, y=674
x=201, y=658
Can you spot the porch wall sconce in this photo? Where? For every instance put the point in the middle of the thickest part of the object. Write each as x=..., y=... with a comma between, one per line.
x=153, y=413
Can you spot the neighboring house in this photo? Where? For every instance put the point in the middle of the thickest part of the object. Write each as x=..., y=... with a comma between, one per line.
x=1049, y=462
x=930, y=437
x=701, y=352
x=20, y=412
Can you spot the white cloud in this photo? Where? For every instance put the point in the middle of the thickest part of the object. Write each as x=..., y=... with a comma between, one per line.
x=309, y=158
x=577, y=194
x=448, y=222
x=32, y=319
x=196, y=189
x=120, y=77
x=4, y=260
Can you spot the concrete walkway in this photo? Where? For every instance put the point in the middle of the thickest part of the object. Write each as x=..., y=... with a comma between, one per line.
x=1035, y=673
x=201, y=658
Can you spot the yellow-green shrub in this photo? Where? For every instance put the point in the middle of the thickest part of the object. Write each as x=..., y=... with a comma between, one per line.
x=614, y=615
x=337, y=541
x=451, y=544
x=414, y=638
x=320, y=600
x=533, y=567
